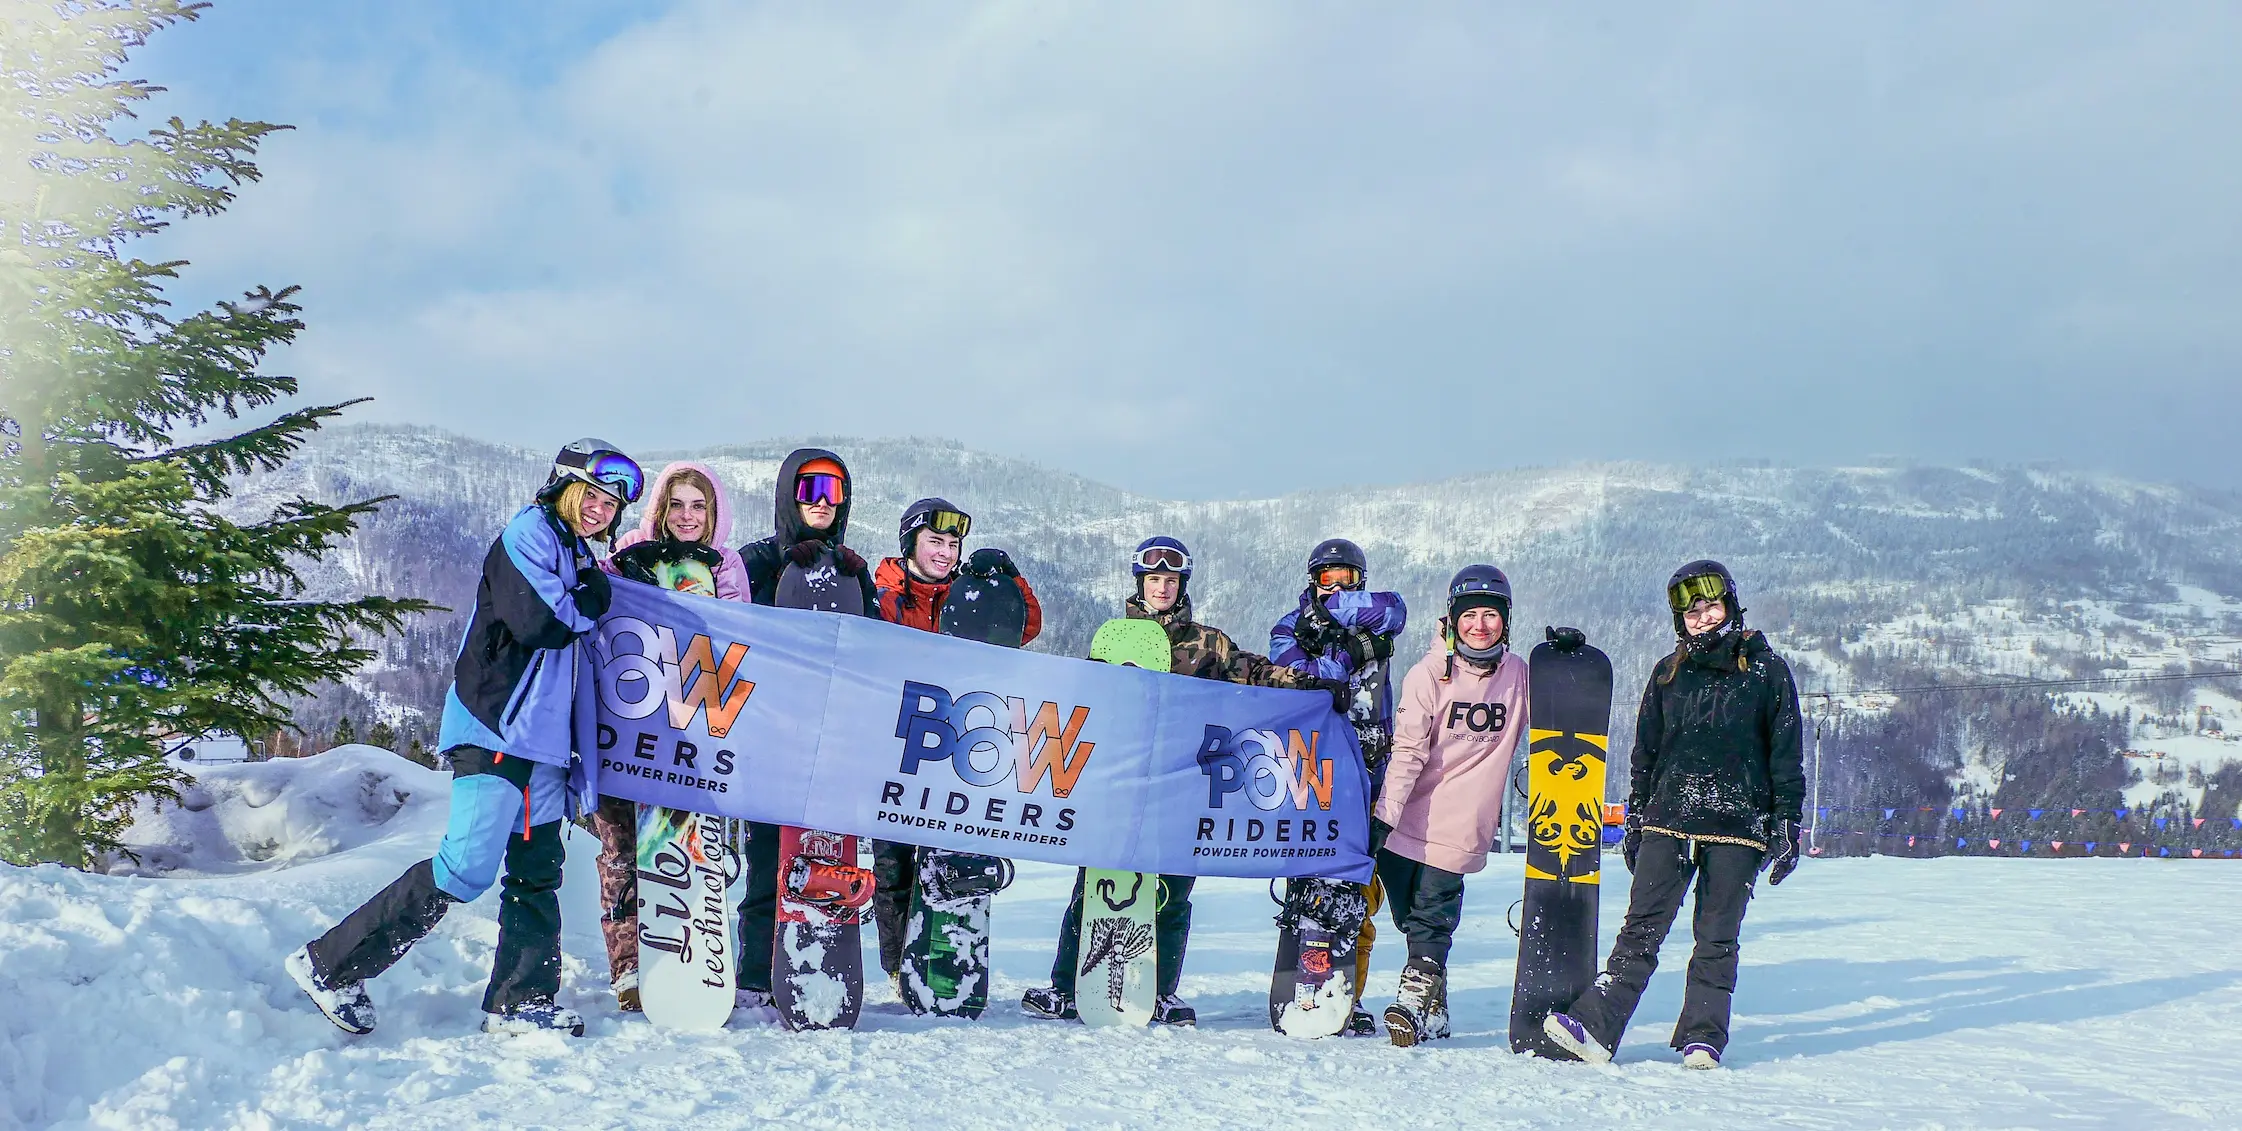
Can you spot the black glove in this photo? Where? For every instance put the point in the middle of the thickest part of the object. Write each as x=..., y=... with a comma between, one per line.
x=1342, y=693
x=1566, y=639
x=851, y=563
x=804, y=552
x=593, y=593
x=1314, y=629
x=1782, y=855
x=988, y=561
x=1379, y=831
x=1361, y=648
x=1631, y=845
x=637, y=562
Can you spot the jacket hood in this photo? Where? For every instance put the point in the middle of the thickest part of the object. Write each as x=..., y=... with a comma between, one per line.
x=649, y=524
x=786, y=520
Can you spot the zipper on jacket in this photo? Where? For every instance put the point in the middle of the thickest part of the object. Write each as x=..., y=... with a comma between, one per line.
x=535, y=664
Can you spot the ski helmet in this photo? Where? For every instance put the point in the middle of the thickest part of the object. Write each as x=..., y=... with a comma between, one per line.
x=938, y=514
x=1479, y=587
x=1161, y=554
x=1339, y=552
x=594, y=461
x=1703, y=579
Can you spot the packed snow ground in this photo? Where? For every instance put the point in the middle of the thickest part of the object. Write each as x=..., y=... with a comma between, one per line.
x=1875, y=993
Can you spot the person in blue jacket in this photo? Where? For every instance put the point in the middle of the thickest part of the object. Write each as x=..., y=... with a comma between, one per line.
x=515, y=775
x=1345, y=633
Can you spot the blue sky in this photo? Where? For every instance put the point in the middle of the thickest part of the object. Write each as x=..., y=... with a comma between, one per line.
x=1219, y=250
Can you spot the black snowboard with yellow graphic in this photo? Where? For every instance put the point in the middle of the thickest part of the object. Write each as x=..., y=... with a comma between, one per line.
x=1570, y=707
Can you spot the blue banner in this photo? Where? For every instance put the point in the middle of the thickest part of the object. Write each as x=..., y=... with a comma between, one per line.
x=854, y=725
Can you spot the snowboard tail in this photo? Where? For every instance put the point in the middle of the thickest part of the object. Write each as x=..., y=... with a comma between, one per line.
x=1319, y=926
x=1571, y=712
x=687, y=962
x=1117, y=976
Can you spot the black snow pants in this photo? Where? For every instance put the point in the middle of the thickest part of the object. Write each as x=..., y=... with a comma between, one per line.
x=1171, y=932
x=759, y=907
x=895, y=872
x=1724, y=874
x=527, y=965
x=1427, y=903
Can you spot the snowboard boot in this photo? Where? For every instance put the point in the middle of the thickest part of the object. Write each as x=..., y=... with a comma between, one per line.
x=1048, y=1003
x=537, y=1015
x=1572, y=1036
x=1360, y=1023
x=1173, y=1010
x=626, y=992
x=1700, y=1055
x=347, y=1006
x=1420, y=1012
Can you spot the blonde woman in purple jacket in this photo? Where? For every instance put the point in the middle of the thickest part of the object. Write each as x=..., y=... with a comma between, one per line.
x=1461, y=713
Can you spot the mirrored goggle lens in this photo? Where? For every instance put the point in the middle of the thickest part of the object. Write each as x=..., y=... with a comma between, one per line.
x=950, y=522
x=620, y=473
x=1342, y=576
x=1165, y=558
x=1693, y=589
x=820, y=489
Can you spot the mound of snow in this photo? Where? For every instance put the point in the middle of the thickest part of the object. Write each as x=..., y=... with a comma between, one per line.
x=254, y=816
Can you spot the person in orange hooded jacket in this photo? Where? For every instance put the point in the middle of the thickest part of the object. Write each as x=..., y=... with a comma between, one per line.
x=912, y=588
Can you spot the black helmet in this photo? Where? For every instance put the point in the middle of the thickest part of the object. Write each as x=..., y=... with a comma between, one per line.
x=940, y=514
x=1339, y=552
x=1707, y=579
x=1479, y=586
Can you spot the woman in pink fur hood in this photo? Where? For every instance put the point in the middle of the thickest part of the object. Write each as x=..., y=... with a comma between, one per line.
x=684, y=540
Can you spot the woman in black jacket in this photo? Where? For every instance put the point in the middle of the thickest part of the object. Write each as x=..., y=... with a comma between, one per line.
x=1714, y=795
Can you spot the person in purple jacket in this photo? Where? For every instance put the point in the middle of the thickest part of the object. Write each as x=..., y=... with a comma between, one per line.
x=1344, y=633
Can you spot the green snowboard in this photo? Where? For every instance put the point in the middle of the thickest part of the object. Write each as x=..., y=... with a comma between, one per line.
x=1119, y=970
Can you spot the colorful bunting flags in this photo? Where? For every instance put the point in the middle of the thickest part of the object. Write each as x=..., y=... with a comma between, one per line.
x=1995, y=842
x=2199, y=822
x=2090, y=847
x=2036, y=813
x=2125, y=846
x=1888, y=814
x=2058, y=845
x=1996, y=814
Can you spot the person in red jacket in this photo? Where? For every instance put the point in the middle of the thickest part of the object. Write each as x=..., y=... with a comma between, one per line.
x=911, y=589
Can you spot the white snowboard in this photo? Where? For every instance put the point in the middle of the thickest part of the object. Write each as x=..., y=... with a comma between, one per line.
x=1119, y=960
x=687, y=960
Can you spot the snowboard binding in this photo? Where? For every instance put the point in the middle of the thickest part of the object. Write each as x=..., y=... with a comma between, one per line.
x=824, y=882
x=1335, y=905
x=955, y=875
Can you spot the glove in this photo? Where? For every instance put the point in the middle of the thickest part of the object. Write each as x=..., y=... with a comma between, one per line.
x=1313, y=629
x=851, y=562
x=989, y=561
x=593, y=593
x=804, y=552
x=1342, y=693
x=1379, y=831
x=1782, y=855
x=1631, y=845
x=704, y=554
x=1359, y=647
x=1566, y=639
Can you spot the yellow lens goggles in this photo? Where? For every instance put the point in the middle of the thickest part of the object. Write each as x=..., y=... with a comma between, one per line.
x=1690, y=590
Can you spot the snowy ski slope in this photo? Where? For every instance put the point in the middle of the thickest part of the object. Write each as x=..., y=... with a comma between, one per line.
x=1875, y=993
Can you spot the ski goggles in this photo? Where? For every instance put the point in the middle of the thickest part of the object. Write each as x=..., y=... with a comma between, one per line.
x=612, y=472
x=944, y=522
x=1164, y=559
x=1338, y=577
x=1690, y=590
x=816, y=488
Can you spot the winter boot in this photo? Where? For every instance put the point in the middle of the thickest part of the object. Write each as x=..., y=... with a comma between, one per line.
x=1048, y=1003
x=347, y=1006
x=1420, y=1012
x=1172, y=1010
x=537, y=1015
x=1360, y=1023
x=1572, y=1036
x=626, y=991
x=1700, y=1055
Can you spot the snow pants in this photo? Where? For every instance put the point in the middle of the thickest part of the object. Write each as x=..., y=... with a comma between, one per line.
x=1427, y=904
x=895, y=871
x=504, y=812
x=1171, y=932
x=759, y=907
x=615, y=822
x=1664, y=868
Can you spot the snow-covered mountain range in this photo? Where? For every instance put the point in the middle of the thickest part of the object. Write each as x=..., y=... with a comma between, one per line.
x=1866, y=578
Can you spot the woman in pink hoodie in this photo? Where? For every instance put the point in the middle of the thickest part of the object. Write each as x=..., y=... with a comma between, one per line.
x=683, y=543
x=1461, y=713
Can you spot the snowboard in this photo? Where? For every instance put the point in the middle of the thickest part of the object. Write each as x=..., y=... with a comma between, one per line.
x=686, y=958
x=1570, y=709
x=821, y=586
x=1118, y=933
x=817, y=959
x=1116, y=980
x=984, y=605
x=946, y=946
x=1312, y=988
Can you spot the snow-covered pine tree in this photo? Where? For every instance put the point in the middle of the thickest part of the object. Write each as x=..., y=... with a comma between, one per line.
x=130, y=610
